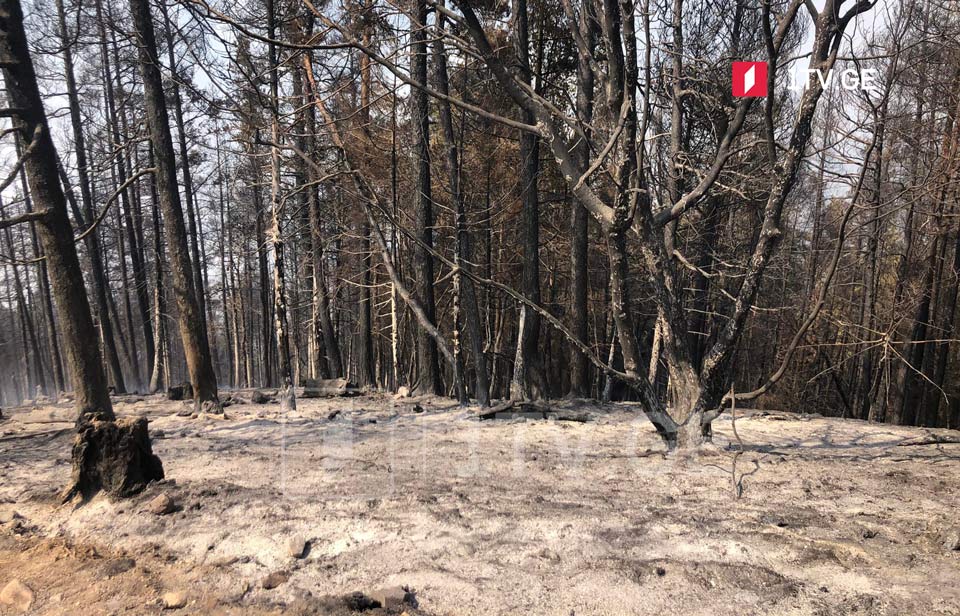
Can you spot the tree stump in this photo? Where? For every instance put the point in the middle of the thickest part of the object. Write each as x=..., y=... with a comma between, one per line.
x=114, y=456
x=180, y=392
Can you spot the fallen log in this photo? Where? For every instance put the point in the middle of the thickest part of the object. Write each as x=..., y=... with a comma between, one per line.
x=327, y=388
x=513, y=409
x=931, y=439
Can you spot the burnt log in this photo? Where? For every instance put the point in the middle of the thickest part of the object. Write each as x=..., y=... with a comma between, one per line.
x=531, y=410
x=260, y=397
x=327, y=388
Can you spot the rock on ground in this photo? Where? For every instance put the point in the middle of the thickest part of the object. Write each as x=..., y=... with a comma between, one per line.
x=161, y=505
x=17, y=595
x=8, y=514
x=174, y=600
x=275, y=579
x=297, y=546
x=394, y=597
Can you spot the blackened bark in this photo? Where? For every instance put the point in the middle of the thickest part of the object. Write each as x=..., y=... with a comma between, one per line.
x=530, y=377
x=133, y=223
x=100, y=283
x=579, y=281
x=464, y=253
x=288, y=400
x=188, y=195
x=430, y=382
x=31, y=347
x=194, y=335
x=159, y=368
x=55, y=233
x=266, y=309
x=366, y=375
x=222, y=245
x=322, y=325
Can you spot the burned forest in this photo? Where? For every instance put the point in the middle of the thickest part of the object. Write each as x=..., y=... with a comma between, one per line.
x=479, y=307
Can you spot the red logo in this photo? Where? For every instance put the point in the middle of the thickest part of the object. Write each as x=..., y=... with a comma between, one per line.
x=750, y=79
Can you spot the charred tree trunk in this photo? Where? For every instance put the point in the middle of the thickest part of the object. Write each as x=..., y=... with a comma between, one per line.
x=429, y=372
x=267, y=332
x=134, y=224
x=160, y=348
x=193, y=213
x=222, y=245
x=366, y=373
x=528, y=378
x=463, y=253
x=322, y=324
x=288, y=400
x=31, y=347
x=579, y=281
x=192, y=331
x=108, y=455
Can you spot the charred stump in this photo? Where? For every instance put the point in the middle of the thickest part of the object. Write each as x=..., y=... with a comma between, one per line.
x=180, y=392
x=113, y=456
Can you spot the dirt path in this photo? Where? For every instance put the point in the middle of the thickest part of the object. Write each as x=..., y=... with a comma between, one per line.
x=496, y=517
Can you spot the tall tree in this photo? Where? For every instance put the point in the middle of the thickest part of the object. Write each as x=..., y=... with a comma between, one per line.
x=429, y=369
x=463, y=251
x=114, y=456
x=192, y=330
x=288, y=400
x=528, y=376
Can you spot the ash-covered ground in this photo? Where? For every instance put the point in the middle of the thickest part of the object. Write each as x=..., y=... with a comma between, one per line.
x=289, y=515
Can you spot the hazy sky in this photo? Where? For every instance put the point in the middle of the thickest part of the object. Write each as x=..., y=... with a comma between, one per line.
x=857, y=33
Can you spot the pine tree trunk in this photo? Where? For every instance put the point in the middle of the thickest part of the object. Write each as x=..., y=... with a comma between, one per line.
x=365, y=361
x=192, y=331
x=196, y=255
x=31, y=347
x=463, y=253
x=266, y=313
x=288, y=401
x=530, y=374
x=224, y=304
x=579, y=282
x=429, y=372
x=122, y=463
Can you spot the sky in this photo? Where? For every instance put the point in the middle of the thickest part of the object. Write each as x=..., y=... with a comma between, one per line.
x=858, y=33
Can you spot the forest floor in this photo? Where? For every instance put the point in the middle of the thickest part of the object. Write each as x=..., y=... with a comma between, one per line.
x=511, y=516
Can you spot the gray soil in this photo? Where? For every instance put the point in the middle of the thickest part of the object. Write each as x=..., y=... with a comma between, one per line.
x=494, y=517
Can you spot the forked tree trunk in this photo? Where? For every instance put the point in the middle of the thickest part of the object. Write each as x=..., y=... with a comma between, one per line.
x=192, y=331
x=107, y=454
